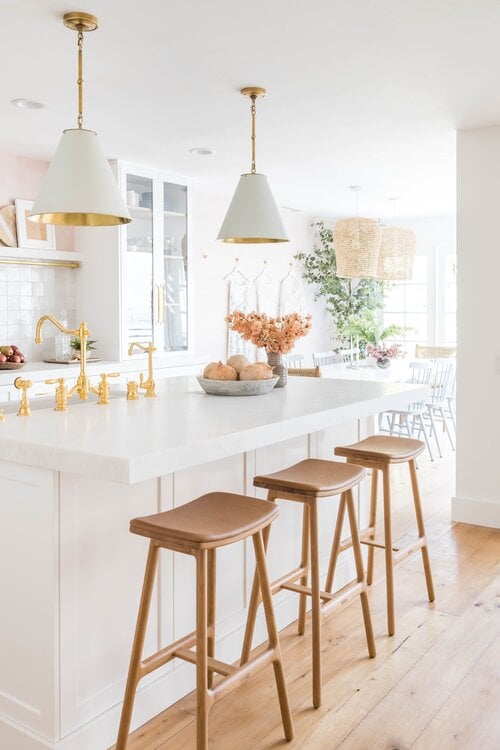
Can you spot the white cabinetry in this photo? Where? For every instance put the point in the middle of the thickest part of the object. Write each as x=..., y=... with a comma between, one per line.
x=136, y=280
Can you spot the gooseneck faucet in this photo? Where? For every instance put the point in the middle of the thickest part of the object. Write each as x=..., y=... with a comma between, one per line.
x=82, y=387
x=149, y=384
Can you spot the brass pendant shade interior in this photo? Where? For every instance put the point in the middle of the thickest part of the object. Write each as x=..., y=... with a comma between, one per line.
x=79, y=188
x=357, y=246
x=397, y=254
x=253, y=216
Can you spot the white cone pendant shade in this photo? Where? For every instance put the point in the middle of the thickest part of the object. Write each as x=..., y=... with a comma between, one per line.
x=79, y=187
x=397, y=253
x=253, y=215
x=357, y=246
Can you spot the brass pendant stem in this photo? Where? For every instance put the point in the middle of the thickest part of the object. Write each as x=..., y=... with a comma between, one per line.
x=253, y=92
x=80, y=79
x=253, y=109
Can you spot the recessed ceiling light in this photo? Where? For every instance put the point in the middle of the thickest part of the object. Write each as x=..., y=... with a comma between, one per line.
x=27, y=104
x=201, y=151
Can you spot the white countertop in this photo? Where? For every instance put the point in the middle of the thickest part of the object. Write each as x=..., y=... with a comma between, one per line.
x=131, y=441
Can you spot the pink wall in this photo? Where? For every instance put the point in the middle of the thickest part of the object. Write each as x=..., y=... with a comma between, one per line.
x=21, y=177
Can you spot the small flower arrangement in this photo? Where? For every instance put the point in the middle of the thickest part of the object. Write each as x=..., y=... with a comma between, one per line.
x=382, y=351
x=275, y=335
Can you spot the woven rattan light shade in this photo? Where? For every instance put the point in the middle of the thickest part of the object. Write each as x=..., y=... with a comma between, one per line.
x=357, y=246
x=397, y=253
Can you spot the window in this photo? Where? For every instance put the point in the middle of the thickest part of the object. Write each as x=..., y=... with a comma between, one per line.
x=427, y=304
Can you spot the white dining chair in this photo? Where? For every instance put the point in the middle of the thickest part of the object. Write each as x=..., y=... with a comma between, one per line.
x=293, y=360
x=348, y=355
x=412, y=419
x=437, y=405
x=321, y=359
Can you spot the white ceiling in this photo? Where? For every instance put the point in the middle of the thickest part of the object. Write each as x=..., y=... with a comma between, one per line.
x=364, y=92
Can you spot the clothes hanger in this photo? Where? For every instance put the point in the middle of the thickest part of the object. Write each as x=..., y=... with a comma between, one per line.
x=264, y=274
x=236, y=272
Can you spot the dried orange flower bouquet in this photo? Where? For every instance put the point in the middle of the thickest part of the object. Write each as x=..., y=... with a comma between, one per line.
x=275, y=335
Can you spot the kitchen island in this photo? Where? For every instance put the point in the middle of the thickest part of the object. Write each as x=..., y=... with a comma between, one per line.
x=71, y=572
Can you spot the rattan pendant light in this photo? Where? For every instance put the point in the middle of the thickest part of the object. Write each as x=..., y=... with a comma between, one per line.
x=79, y=188
x=397, y=252
x=253, y=216
x=357, y=245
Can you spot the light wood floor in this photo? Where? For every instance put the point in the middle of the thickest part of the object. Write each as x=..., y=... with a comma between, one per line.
x=435, y=685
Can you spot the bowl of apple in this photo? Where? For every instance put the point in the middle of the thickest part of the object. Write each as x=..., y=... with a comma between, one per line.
x=11, y=358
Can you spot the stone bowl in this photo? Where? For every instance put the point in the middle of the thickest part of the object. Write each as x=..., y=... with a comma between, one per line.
x=237, y=387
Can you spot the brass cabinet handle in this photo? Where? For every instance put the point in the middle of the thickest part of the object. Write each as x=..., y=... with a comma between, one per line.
x=162, y=286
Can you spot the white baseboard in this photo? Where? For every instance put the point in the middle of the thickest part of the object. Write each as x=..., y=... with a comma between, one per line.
x=477, y=512
x=152, y=699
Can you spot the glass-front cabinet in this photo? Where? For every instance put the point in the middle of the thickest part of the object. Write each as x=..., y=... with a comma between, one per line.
x=156, y=261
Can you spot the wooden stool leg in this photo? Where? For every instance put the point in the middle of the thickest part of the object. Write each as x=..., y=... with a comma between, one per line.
x=201, y=651
x=372, y=522
x=304, y=563
x=389, y=568
x=267, y=601
x=360, y=573
x=421, y=531
x=134, y=672
x=332, y=564
x=316, y=603
x=253, y=604
x=211, y=604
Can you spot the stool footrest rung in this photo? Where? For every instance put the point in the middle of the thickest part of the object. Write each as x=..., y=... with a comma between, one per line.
x=286, y=579
x=343, y=596
x=214, y=665
x=242, y=674
x=401, y=554
x=298, y=589
x=155, y=661
x=371, y=543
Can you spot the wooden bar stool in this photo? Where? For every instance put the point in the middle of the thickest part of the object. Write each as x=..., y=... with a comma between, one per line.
x=197, y=529
x=306, y=483
x=378, y=453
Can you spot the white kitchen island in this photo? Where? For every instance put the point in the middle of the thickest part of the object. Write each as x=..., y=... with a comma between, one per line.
x=71, y=572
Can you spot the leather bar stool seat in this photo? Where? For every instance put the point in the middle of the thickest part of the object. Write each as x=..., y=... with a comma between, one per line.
x=313, y=477
x=308, y=482
x=198, y=528
x=378, y=453
x=387, y=448
x=212, y=520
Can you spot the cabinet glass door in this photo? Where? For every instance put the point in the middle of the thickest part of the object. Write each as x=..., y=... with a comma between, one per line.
x=139, y=260
x=175, y=268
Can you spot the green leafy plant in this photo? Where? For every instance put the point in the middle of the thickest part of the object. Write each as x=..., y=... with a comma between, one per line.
x=347, y=300
x=368, y=330
x=77, y=345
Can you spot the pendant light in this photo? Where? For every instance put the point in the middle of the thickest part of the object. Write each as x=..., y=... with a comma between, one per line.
x=79, y=188
x=253, y=215
x=357, y=245
x=397, y=252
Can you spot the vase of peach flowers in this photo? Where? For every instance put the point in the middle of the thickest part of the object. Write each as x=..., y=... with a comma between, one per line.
x=276, y=335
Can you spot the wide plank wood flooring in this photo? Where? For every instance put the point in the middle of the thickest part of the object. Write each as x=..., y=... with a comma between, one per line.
x=435, y=685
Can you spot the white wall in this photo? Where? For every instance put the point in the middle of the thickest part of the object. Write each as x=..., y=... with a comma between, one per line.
x=213, y=260
x=478, y=404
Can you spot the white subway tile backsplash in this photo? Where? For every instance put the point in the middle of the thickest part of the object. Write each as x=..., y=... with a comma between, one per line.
x=26, y=293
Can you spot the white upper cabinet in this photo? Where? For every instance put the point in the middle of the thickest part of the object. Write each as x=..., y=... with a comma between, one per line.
x=136, y=280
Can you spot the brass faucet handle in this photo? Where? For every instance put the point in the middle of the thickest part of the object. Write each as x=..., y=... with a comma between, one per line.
x=3, y=418
x=132, y=390
x=61, y=393
x=23, y=385
x=103, y=388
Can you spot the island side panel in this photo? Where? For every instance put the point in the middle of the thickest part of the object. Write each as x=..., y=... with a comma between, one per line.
x=28, y=590
x=102, y=567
